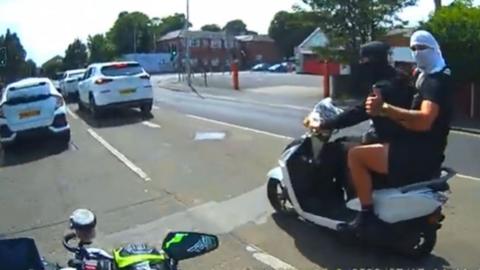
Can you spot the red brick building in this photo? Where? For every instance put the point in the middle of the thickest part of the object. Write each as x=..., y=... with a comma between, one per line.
x=258, y=49
x=215, y=50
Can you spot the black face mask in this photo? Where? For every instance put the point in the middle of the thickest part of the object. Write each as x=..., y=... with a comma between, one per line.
x=369, y=73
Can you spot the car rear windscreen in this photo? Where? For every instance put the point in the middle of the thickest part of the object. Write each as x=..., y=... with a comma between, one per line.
x=76, y=74
x=122, y=70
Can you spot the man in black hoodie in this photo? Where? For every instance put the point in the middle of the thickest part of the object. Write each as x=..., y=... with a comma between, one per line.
x=374, y=69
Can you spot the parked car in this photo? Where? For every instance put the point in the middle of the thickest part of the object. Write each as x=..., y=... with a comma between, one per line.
x=56, y=79
x=69, y=83
x=115, y=84
x=282, y=67
x=32, y=107
x=261, y=67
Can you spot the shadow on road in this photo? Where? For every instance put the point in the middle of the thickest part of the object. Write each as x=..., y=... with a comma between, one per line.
x=114, y=118
x=29, y=151
x=325, y=249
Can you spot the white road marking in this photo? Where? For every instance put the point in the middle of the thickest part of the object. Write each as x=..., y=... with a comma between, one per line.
x=151, y=124
x=468, y=177
x=239, y=127
x=288, y=106
x=155, y=107
x=465, y=133
x=268, y=259
x=283, y=137
x=119, y=156
x=72, y=114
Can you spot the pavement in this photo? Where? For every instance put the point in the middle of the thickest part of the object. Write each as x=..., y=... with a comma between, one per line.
x=146, y=176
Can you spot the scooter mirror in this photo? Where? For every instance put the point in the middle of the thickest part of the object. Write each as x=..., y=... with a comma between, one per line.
x=185, y=245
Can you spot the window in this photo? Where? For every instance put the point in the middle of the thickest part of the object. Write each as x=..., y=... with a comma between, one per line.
x=87, y=74
x=216, y=44
x=193, y=62
x=122, y=69
x=206, y=43
x=194, y=43
x=215, y=62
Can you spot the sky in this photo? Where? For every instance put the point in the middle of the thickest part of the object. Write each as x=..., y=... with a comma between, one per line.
x=46, y=27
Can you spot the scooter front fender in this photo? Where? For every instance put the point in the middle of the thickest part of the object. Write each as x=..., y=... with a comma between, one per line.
x=276, y=173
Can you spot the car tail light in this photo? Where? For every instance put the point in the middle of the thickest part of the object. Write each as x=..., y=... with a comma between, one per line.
x=60, y=102
x=102, y=81
x=145, y=77
x=121, y=65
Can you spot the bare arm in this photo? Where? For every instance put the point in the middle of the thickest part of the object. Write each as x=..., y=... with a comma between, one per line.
x=417, y=120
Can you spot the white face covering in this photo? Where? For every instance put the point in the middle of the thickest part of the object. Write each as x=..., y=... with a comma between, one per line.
x=429, y=60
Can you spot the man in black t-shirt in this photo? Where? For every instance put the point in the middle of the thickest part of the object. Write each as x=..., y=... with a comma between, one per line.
x=419, y=154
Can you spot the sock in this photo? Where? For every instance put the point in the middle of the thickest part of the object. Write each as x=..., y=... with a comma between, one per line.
x=368, y=208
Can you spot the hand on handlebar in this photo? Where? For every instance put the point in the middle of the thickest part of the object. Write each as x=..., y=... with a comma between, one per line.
x=313, y=123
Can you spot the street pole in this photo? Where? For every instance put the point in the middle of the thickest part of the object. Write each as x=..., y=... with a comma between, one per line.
x=187, y=46
x=135, y=39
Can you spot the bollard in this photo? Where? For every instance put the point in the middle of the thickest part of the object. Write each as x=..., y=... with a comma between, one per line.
x=235, y=76
x=326, y=80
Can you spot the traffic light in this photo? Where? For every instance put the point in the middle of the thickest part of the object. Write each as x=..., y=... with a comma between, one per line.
x=173, y=55
x=3, y=56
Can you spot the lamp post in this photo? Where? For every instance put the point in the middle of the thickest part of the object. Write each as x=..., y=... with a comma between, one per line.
x=187, y=44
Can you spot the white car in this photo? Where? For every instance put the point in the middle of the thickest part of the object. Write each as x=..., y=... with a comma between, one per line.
x=32, y=107
x=69, y=82
x=115, y=84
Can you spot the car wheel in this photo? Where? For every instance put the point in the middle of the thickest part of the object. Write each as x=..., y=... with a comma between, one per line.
x=64, y=139
x=81, y=106
x=146, y=109
x=93, y=107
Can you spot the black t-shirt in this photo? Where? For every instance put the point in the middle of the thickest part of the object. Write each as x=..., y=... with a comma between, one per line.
x=437, y=88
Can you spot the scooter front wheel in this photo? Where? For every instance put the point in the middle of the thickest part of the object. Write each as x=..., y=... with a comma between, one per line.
x=278, y=197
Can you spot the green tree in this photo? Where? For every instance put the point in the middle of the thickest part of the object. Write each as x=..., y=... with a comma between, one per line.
x=355, y=22
x=235, y=28
x=52, y=67
x=75, y=55
x=30, y=68
x=171, y=23
x=100, y=49
x=211, y=28
x=131, y=33
x=13, y=70
x=457, y=29
x=290, y=29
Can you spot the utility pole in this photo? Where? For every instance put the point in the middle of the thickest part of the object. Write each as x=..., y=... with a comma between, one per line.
x=134, y=38
x=187, y=45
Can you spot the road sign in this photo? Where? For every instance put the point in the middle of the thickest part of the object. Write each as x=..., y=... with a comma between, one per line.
x=3, y=56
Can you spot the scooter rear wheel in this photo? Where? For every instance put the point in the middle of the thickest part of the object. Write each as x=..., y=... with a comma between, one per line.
x=278, y=197
x=420, y=243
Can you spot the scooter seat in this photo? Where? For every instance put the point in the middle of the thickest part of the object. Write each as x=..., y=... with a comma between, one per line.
x=437, y=184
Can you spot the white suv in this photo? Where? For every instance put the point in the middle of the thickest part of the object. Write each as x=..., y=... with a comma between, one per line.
x=69, y=82
x=115, y=84
x=32, y=107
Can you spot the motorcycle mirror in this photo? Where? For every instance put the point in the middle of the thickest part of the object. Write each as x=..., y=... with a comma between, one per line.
x=83, y=221
x=185, y=245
